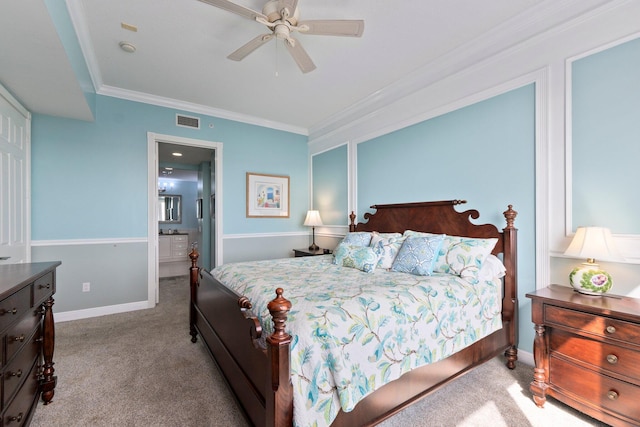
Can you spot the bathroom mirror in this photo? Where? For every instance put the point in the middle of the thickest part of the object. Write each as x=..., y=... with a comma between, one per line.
x=169, y=209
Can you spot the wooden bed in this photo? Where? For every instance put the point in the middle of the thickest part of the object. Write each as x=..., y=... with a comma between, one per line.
x=260, y=378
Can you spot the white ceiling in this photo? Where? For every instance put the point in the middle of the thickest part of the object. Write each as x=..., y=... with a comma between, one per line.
x=182, y=47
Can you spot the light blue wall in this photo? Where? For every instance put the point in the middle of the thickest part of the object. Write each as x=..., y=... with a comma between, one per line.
x=271, y=152
x=87, y=164
x=89, y=181
x=484, y=153
x=330, y=179
x=605, y=144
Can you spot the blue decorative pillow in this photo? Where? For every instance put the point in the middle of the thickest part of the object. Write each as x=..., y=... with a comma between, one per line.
x=357, y=238
x=417, y=255
x=461, y=256
x=361, y=257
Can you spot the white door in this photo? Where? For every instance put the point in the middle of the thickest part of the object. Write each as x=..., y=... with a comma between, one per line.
x=15, y=134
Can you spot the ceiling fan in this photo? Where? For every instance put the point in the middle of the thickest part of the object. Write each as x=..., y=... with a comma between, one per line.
x=281, y=17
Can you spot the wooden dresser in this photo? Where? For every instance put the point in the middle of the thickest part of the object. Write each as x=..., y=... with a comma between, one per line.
x=587, y=353
x=27, y=339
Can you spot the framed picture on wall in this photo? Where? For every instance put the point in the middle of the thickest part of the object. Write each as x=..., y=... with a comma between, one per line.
x=267, y=196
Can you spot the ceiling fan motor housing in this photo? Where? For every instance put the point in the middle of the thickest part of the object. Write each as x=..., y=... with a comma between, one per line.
x=272, y=11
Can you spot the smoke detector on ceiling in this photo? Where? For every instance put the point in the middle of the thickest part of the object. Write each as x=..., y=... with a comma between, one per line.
x=127, y=46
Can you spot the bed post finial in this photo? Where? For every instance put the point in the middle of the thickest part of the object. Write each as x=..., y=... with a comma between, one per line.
x=194, y=255
x=279, y=403
x=279, y=307
x=510, y=216
x=352, y=221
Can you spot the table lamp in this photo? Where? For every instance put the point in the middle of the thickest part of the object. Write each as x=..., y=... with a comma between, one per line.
x=591, y=243
x=313, y=220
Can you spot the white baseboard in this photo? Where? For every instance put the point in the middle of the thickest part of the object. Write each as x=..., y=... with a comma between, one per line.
x=100, y=311
x=526, y=357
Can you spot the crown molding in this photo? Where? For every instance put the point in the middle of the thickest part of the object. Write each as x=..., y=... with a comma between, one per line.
x=160, y=101
x=76, y=12
x=548, y=17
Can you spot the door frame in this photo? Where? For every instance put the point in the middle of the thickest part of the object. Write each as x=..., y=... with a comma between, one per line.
x=17, y=199
x=152, y=193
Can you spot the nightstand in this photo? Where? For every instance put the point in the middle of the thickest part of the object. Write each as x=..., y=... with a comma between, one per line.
x=308, y=252
x=587, y=353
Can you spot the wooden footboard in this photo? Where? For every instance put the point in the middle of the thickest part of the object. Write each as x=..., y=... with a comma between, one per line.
x=260, y=378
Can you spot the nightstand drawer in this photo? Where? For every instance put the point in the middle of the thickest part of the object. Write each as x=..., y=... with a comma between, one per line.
x=600, y=355
x=612, y=395
x=601, y=326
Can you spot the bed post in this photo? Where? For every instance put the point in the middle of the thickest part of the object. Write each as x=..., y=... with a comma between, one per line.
x=193, y=284
x=352, y=221
x=279, y=391
x=510, y=299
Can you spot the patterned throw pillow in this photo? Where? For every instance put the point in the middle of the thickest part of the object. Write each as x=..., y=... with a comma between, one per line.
x=357, y=238
x=361, y=257
x=417, y=255
x=461, y=256
x=386, y=245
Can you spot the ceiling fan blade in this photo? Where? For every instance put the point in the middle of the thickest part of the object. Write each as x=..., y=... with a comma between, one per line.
x=235, y=8
x=337, y=27
x=300, y=55
x=246, y=49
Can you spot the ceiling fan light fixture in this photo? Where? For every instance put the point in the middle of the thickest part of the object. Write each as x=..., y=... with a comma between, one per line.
x=127, y=46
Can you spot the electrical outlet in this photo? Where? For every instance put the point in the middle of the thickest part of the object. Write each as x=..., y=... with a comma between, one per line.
x=86, y=287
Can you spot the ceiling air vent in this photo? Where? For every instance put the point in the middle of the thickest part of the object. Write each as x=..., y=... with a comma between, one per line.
x=188, y=122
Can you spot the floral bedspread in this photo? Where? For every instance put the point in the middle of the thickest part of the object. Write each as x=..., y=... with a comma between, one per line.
x=353, y=332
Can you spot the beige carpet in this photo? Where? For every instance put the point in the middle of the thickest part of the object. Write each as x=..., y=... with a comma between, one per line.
x=141, y=369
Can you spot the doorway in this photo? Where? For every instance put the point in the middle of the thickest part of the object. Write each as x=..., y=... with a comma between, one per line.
x=195, y=176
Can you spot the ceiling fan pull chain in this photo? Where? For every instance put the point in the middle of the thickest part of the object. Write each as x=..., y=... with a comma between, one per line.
x=277, y=59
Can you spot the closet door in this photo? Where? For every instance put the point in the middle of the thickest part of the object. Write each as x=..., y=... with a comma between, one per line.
x=15, y=133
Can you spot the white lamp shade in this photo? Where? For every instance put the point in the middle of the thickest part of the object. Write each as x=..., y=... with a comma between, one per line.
x=313, y=219
x=593, y=243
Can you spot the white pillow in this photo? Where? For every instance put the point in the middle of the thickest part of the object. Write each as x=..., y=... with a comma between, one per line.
x=492, y=268
x=386, y=245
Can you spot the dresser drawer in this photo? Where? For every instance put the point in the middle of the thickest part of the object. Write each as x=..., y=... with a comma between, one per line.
x=601, y=391
x=179, y=246
x=43, y=288
x=19, y=410
x=601, y=326
x=601, y=355
x=17, y=370
x=21, y=334
x=176, y=239
x=14, y=306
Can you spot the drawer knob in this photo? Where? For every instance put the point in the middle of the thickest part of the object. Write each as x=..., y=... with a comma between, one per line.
x=47, y=286
x=18, y=418
x=612, y=358
x=611, y=329
x=612, y=394
x=19, y=338
x=16, y=374
x=12, y=311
